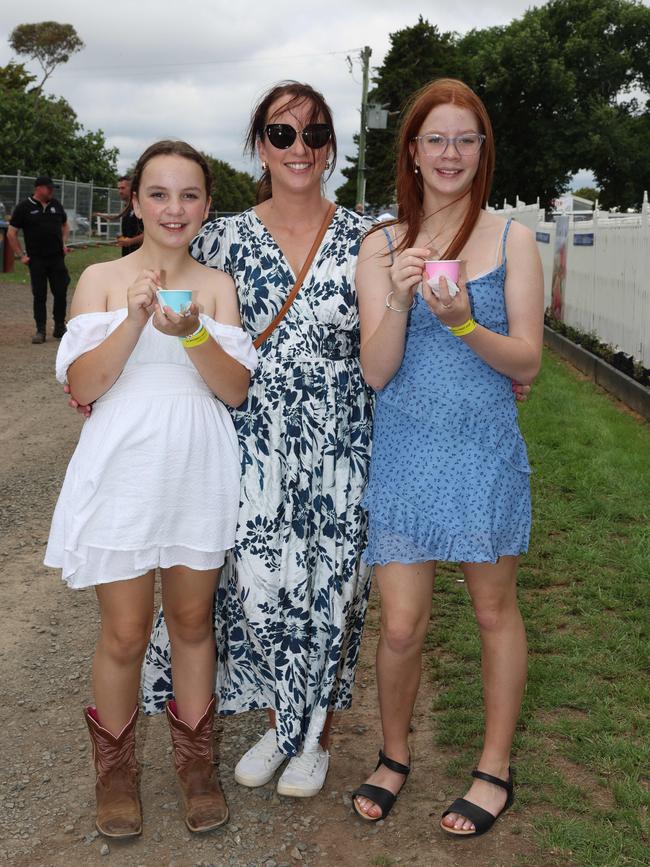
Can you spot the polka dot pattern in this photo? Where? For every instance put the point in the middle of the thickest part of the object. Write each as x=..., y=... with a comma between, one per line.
x=449, y=474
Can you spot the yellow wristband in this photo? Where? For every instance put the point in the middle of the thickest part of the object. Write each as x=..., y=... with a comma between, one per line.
x=195, y=339
x=462, y=330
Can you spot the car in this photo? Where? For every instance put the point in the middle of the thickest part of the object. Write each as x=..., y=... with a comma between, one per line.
x=78, y=223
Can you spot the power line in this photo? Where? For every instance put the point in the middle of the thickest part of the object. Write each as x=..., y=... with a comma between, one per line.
x=236, y=61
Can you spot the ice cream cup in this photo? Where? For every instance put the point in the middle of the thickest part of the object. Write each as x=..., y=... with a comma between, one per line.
x=178, y=299
x=436, y=268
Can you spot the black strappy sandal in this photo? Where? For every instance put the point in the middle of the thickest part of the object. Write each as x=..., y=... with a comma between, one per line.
x=383, y=798
x=481, y=819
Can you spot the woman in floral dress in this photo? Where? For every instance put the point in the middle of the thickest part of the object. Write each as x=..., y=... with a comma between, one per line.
x=292, y=600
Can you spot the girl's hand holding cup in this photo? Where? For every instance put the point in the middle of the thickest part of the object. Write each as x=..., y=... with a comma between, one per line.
x=140, y=296
x=176, y=324
x=451, y=310
x=406, y=274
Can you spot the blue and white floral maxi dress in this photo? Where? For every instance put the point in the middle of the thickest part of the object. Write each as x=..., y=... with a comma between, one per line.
x=293, y=594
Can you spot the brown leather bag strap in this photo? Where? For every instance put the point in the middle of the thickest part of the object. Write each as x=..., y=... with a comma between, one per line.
x=259, y=340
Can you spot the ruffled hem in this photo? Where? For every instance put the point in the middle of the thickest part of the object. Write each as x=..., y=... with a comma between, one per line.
x=88, y=566
x=427, y=541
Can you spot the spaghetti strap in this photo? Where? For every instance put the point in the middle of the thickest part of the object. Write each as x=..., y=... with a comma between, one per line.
x=505, y=238
x=391, y=244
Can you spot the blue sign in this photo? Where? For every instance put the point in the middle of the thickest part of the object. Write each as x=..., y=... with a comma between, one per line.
x=543, y=237
x=583, y=239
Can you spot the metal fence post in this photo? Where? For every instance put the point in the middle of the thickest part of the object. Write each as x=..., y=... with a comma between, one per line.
x=74, y=199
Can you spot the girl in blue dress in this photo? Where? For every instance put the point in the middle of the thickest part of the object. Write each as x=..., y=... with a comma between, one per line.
x=449, y=476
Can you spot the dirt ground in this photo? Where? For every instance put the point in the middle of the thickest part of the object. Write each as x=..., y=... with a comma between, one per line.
x=46, y=644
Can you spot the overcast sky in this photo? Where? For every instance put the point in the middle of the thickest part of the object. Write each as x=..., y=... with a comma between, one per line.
x=153, y=69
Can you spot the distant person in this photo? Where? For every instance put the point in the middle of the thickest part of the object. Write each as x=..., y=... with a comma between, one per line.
x=131, y=231
x=45, y=229
x=359, y=209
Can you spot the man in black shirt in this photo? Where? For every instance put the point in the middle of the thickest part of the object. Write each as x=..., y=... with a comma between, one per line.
x=131, y=230
x=45, y=230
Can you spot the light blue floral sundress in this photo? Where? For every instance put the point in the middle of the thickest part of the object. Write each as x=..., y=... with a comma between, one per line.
x=449, y=476
x=293, y=595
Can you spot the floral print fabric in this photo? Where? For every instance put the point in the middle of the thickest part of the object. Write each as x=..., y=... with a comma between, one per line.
x=291, y=604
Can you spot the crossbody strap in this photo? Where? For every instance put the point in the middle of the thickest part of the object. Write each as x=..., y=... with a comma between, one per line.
x=259, y=340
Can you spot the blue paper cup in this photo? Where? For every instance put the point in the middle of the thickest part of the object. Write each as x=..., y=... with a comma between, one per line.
x=178, y=299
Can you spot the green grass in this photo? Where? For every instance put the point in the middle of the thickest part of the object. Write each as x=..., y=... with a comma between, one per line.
x=582, y=751
x=76, y=261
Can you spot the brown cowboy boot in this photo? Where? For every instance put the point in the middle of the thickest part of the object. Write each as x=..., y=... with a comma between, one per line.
x=119, y=813
x=205, y=804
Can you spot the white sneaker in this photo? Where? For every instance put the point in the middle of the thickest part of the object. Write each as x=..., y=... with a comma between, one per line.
x=305, y=774
x=258, y=765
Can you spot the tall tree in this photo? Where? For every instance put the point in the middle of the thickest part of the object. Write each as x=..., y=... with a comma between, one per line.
x=42, y=134
x=48, y=42
x=417, y=55
x=550, y=80
x=232, y=190
x=559, y=84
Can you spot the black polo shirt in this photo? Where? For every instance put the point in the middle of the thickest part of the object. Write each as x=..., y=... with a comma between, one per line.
x=42, y=227
x=130, y=226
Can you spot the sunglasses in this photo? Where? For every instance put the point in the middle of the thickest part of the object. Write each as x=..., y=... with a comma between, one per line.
x=283, y=135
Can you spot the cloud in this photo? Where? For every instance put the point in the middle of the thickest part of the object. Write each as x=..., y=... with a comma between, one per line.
x=156, y=69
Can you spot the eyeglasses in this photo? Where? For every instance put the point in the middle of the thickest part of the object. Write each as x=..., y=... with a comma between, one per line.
x=283, y=135
x=434, y=145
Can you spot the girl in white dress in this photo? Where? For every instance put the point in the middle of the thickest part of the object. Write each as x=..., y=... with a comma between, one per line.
x=154, y=481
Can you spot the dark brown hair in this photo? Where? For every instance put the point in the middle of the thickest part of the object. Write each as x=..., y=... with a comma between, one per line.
x=409, y=187
x=297, y=94
x=169, y=147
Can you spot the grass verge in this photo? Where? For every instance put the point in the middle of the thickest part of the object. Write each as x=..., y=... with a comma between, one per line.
x=582, y=751
x=77, y=260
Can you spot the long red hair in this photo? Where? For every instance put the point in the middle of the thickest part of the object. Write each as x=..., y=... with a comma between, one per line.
x=409, y=187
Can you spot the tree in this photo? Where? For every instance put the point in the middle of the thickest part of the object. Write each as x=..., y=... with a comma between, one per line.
x=48, y=42
x=417, y=55
x=589, y=193
x=231, y=190
x=42, y=134
x=557, y=84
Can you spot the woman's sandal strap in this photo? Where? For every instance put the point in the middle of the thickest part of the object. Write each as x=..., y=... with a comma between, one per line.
x=480, y=818
x=392, y=765
x=505, y=784
x=383, y=798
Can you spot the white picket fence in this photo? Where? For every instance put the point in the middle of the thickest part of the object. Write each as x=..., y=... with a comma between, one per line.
x=607, y=288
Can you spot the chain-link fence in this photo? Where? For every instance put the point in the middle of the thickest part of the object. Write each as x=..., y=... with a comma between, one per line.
x=80, y=201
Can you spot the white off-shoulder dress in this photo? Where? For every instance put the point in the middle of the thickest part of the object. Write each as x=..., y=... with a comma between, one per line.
x=154, y=480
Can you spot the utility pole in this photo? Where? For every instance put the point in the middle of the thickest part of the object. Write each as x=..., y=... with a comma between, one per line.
x=361, y=166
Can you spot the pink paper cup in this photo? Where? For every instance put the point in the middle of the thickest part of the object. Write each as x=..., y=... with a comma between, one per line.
x=449, y=268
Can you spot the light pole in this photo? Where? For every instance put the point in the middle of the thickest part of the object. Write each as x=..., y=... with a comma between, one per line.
x=361, y=165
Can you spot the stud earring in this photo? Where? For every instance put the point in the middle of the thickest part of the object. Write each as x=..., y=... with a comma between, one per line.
x=264, y=166
x=416, y=169
x=327, y=164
